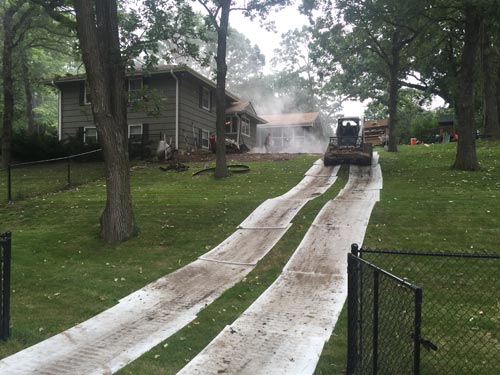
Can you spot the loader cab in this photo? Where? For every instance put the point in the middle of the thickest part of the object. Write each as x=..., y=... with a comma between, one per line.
x=349, y=131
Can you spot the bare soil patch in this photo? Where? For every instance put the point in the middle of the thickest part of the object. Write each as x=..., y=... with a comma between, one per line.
x=243, y=157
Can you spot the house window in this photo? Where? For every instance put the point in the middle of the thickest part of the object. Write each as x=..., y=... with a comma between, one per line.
x=231, y=125
x=135, y=132
x=205, y=98
x=204, y=138
x=90, y=135
x=245, y=127
x=134, y=89
x=86, y=93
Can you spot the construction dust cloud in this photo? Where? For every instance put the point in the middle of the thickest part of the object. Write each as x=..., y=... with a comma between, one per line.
x=292, y=143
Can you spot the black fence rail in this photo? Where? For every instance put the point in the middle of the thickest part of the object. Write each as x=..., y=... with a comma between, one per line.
x=5, y=260
x=24, y=180
x=460, y=311
x=383, y=314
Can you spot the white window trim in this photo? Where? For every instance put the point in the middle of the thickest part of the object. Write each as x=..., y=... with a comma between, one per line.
x=130, y=91
x=242, y=127
x=85, y=134
x=205, y=90
x=130, y=125
x=85, y=88
x=208, y=139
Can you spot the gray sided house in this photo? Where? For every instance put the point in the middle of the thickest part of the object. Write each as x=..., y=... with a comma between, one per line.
x=241, y=123
x=170, y=102
x=294, y=132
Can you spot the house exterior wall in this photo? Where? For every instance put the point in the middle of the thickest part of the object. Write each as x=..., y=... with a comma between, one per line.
x=158, y=112
x=73, y=115
x=251, y=140
x=193, y=120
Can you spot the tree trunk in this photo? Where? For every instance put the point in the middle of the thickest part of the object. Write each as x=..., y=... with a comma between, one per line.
x=220, y=94
x=466, y=158
x=489, y=68
x=28, y=94
x=97, y=29
x=394, y=94
x=8, y=86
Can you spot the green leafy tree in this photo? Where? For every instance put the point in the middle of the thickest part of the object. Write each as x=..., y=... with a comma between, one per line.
x=371, y=43
x=217, y=16
x=16, y=19
x=295, y=84
x=97, y=28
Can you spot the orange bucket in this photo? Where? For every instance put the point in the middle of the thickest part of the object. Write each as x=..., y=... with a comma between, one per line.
x=413, y=141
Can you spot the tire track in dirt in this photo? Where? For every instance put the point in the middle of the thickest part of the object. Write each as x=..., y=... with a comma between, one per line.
x=145, y=318
x=285, y=329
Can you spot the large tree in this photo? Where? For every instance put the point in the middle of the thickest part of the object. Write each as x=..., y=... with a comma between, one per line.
x=97, y=28
x=466, y=158
x=298, y=79
x=16, y=18
x=448, y=63
x=98, y=34
x=217, y=15
x=490, y=67
x=370, y=43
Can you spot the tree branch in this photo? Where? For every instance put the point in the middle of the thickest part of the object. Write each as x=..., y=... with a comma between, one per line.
x=51, y=9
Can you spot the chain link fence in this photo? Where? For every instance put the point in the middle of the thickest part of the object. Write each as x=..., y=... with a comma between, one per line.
x=383, y=313
x=460, y=330
x=30, y=179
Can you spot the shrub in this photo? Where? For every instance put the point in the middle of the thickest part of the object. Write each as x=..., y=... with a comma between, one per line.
x=31, y=147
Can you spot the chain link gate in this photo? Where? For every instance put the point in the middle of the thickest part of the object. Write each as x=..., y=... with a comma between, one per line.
x=5, y=257
x=384, y=321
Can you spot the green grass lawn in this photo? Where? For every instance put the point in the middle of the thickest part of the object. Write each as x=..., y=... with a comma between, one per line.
x=37, y=179
x=425, y=205
x=63, y=274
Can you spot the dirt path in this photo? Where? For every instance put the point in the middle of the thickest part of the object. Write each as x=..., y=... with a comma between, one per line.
x=284, y=331
x=142, y=320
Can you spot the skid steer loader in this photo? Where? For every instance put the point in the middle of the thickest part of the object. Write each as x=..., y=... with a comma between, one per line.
x=348, y=146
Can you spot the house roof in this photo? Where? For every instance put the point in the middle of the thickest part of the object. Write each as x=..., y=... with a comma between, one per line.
x=160, y=69
x=247, y=108
x=291, y=119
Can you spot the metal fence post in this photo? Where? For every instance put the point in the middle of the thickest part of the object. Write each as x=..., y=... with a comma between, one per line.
x=5, y=284
x=69, y=171
x=352, y=314
x=418, y=331
x=9, y=184
x=355, y=249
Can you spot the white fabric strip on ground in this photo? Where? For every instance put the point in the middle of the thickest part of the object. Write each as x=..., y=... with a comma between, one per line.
x=119, y=335
x=256, y=241
x=284, y=330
